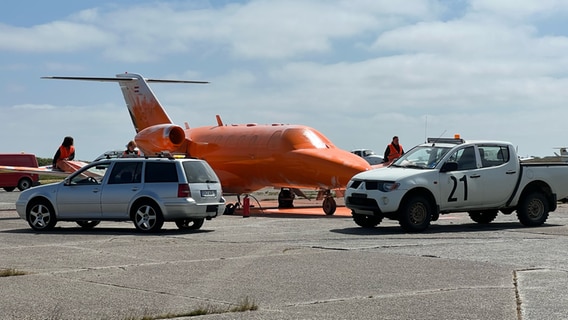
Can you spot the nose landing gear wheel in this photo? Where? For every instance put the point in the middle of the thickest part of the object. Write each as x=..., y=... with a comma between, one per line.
x=329, y=206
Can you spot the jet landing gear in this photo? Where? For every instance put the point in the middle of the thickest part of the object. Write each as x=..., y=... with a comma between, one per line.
x=328, y=204
x=286, y=199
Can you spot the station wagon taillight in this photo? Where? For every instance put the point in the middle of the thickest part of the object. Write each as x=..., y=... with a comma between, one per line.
x=183, y=190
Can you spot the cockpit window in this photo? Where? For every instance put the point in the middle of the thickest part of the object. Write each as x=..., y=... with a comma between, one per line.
x=306, y=138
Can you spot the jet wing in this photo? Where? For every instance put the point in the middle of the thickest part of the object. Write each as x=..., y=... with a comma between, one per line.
x=68, y=166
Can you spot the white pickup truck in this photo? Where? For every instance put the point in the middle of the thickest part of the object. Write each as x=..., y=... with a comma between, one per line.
x=453, y=175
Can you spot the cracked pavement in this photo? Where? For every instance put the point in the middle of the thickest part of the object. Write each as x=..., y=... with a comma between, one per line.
x=292, y=266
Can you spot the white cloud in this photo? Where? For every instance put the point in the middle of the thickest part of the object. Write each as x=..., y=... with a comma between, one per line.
x=358, y=71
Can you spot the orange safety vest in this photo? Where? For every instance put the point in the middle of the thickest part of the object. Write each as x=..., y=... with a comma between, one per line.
x=65, y=153
x=393, y=153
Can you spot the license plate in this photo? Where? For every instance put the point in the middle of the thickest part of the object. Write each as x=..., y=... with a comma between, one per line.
x=208, y=193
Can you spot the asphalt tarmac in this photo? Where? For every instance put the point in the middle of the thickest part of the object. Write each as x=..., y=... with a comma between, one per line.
x=291, y=264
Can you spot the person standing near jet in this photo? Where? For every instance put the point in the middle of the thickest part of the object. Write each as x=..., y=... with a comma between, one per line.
x=131, y=150
x=394, y=150
x=65, y=152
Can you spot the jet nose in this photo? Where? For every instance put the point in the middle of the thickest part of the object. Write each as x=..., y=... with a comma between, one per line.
x=332, y=168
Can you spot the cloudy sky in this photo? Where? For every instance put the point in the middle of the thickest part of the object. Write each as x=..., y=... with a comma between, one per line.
x=359, y=71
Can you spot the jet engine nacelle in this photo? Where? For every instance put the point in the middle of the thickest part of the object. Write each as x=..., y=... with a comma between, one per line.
x=160, y=137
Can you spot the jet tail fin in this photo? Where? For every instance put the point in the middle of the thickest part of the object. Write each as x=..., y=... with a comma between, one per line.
x=144, y=108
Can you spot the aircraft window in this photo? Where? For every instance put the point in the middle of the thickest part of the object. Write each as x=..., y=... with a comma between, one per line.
x=253, y=140
x=315, y=140
x=274, y=141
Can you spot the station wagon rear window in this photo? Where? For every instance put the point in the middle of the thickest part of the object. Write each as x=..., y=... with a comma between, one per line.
x=199, y=172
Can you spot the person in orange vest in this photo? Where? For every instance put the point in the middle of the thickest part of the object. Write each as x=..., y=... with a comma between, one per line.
x=394, y=150
x=131, y=150
x=65, y=152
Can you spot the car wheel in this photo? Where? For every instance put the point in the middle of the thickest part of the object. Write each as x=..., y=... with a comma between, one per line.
x=41, y=215
x=147, y=217
x=9, y=189
x=533, y=209
x=415, y=214
x=366, y=221
x=24, y=184
x=190, y=224
x=87, y=224
x=329, y=206
x=483, y=217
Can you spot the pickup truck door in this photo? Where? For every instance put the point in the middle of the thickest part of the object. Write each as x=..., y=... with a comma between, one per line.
x=463, y=188
x=499, y=174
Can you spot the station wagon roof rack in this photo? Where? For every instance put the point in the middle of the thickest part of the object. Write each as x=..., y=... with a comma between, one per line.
x=166, y=154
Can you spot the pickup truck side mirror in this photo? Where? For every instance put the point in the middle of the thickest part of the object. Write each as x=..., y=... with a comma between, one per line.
x=449, y=166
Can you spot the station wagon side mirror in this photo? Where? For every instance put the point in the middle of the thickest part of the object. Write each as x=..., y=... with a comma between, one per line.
x=449, y=166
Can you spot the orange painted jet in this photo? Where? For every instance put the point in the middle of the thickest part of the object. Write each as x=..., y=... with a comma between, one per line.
x=246, y=157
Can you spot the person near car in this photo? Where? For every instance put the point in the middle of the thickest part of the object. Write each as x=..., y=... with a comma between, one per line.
x=394, y=150
x=131, y=150
x=66, y=151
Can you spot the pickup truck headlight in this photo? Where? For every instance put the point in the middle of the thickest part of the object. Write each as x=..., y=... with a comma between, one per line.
x=386, y=186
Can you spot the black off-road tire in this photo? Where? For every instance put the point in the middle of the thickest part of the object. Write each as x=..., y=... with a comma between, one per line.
x=365, y=221
x=415, y=214
x=483, y=217
x=189, y=224
x=533, y=209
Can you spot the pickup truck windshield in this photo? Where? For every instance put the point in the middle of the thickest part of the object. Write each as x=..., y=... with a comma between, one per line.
x=422, y=157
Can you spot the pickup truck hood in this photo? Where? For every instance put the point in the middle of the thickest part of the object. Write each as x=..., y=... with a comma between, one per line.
x=389, y=173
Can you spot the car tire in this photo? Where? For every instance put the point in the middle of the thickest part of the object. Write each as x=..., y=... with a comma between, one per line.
x=41, y=215
x=88, y=224
x=366, y=221
x=24, y=183
x=189, y=224
x=483, y=217
x=415, y=214
x=533, y=209
x=147, y=217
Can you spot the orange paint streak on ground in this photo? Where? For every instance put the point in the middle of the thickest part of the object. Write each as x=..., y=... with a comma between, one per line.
x=302, y=208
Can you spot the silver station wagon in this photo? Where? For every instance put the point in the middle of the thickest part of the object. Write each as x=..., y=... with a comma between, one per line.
x=147, y=191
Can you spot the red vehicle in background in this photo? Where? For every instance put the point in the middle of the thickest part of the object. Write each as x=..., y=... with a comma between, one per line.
x=20, y=180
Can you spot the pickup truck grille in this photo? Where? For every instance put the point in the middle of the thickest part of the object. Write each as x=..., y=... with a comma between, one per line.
x=362, y=203
x=369, y=184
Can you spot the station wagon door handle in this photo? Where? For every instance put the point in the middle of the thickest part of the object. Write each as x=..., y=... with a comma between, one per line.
x=511, y=172
x=475, y=176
